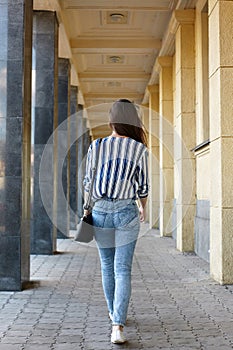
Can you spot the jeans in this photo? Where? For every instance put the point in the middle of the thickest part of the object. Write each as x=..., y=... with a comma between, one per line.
x=117, y=228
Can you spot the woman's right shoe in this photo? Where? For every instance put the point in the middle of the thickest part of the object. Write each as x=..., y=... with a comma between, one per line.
x=117, y=337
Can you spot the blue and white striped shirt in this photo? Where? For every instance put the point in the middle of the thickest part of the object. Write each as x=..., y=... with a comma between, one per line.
x=122, y=171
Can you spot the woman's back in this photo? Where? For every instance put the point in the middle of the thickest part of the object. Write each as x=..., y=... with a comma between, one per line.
x=122, y=168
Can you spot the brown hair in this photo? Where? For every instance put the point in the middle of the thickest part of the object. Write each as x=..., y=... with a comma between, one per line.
x=124, y=119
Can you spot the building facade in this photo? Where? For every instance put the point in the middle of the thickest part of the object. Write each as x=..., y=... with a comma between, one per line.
x=195, y=95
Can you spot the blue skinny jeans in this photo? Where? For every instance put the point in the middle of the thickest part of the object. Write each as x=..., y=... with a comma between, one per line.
x=117, y=227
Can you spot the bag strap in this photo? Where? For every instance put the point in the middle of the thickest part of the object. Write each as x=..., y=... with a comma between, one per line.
x=88, y=202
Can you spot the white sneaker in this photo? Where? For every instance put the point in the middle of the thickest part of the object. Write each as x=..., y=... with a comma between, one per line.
x=117, y=337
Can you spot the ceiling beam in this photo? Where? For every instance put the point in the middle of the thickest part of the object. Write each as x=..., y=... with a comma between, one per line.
x=121, y=8
x=124, y=51
x=146, y=5
x=111, y=43
x=101, y=76
x=112, y=96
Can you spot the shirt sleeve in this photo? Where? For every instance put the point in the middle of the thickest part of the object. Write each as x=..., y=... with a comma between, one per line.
x=88, y=174
x=143, y=180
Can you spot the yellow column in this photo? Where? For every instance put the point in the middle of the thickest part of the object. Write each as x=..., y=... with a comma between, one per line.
x=166, y=144
x=154, y=155
x=145, y=120
x=185, y=129
x=221, y=137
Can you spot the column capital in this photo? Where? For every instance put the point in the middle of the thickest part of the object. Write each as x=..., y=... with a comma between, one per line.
x=181, y=17
x=74, y=77
x=184, y=16
x=74, y=87
x=153, y=88
x=163, y=61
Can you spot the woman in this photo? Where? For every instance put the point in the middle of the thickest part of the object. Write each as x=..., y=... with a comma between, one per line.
x=121, y=179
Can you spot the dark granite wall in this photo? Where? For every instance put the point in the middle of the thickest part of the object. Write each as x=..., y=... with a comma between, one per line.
x=44, y=122
x=63, y=220
x=84, y=143
x=80, y=123
x=73, y=157
x=15, y=131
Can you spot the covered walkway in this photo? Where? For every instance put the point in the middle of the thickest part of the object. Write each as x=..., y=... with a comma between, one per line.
x=174, y=305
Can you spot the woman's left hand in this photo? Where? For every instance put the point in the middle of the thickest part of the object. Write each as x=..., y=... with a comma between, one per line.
x=86, y=212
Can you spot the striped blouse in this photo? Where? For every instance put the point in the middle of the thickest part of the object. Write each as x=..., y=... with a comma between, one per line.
x=122, y=171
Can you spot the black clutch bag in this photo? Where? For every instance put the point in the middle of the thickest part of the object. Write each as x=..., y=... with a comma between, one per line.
x=85, y=230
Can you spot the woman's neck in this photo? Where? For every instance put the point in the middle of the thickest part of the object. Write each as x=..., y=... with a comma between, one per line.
x=115, y=134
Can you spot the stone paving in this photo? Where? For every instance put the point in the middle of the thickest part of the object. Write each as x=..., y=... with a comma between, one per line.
x=174, y=304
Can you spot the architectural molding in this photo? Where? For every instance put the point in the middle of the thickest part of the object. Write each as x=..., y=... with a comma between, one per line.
x=200, y=5
x=152, y=88
x=168, y=44
x=114, y=43
x=146, y=5
x=99, y=76
x=163, y=61
x=111, y=96
x=180, y=17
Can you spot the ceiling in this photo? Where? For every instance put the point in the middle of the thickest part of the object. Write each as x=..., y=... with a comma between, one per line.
x=113, y=46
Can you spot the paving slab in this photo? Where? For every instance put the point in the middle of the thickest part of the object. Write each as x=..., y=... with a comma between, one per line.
x=175, y=305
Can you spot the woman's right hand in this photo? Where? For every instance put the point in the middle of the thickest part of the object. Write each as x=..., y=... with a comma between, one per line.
x=142, y=210
x=142, y=213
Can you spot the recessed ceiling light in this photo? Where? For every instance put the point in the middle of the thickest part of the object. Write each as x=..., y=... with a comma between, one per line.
x=120, y=17
x=115, y=59
x=117, y=17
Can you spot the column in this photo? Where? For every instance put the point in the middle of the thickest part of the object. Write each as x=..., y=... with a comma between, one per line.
x=44, y=123
x=83, y=143
x=15, y=141
x=154, y=155
x=166, y=144
x=63, y=220
x=145, y=120
x=73, y=157
x=80, y=161
x=185, y=129
x=221, y=137
x=86, y=141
